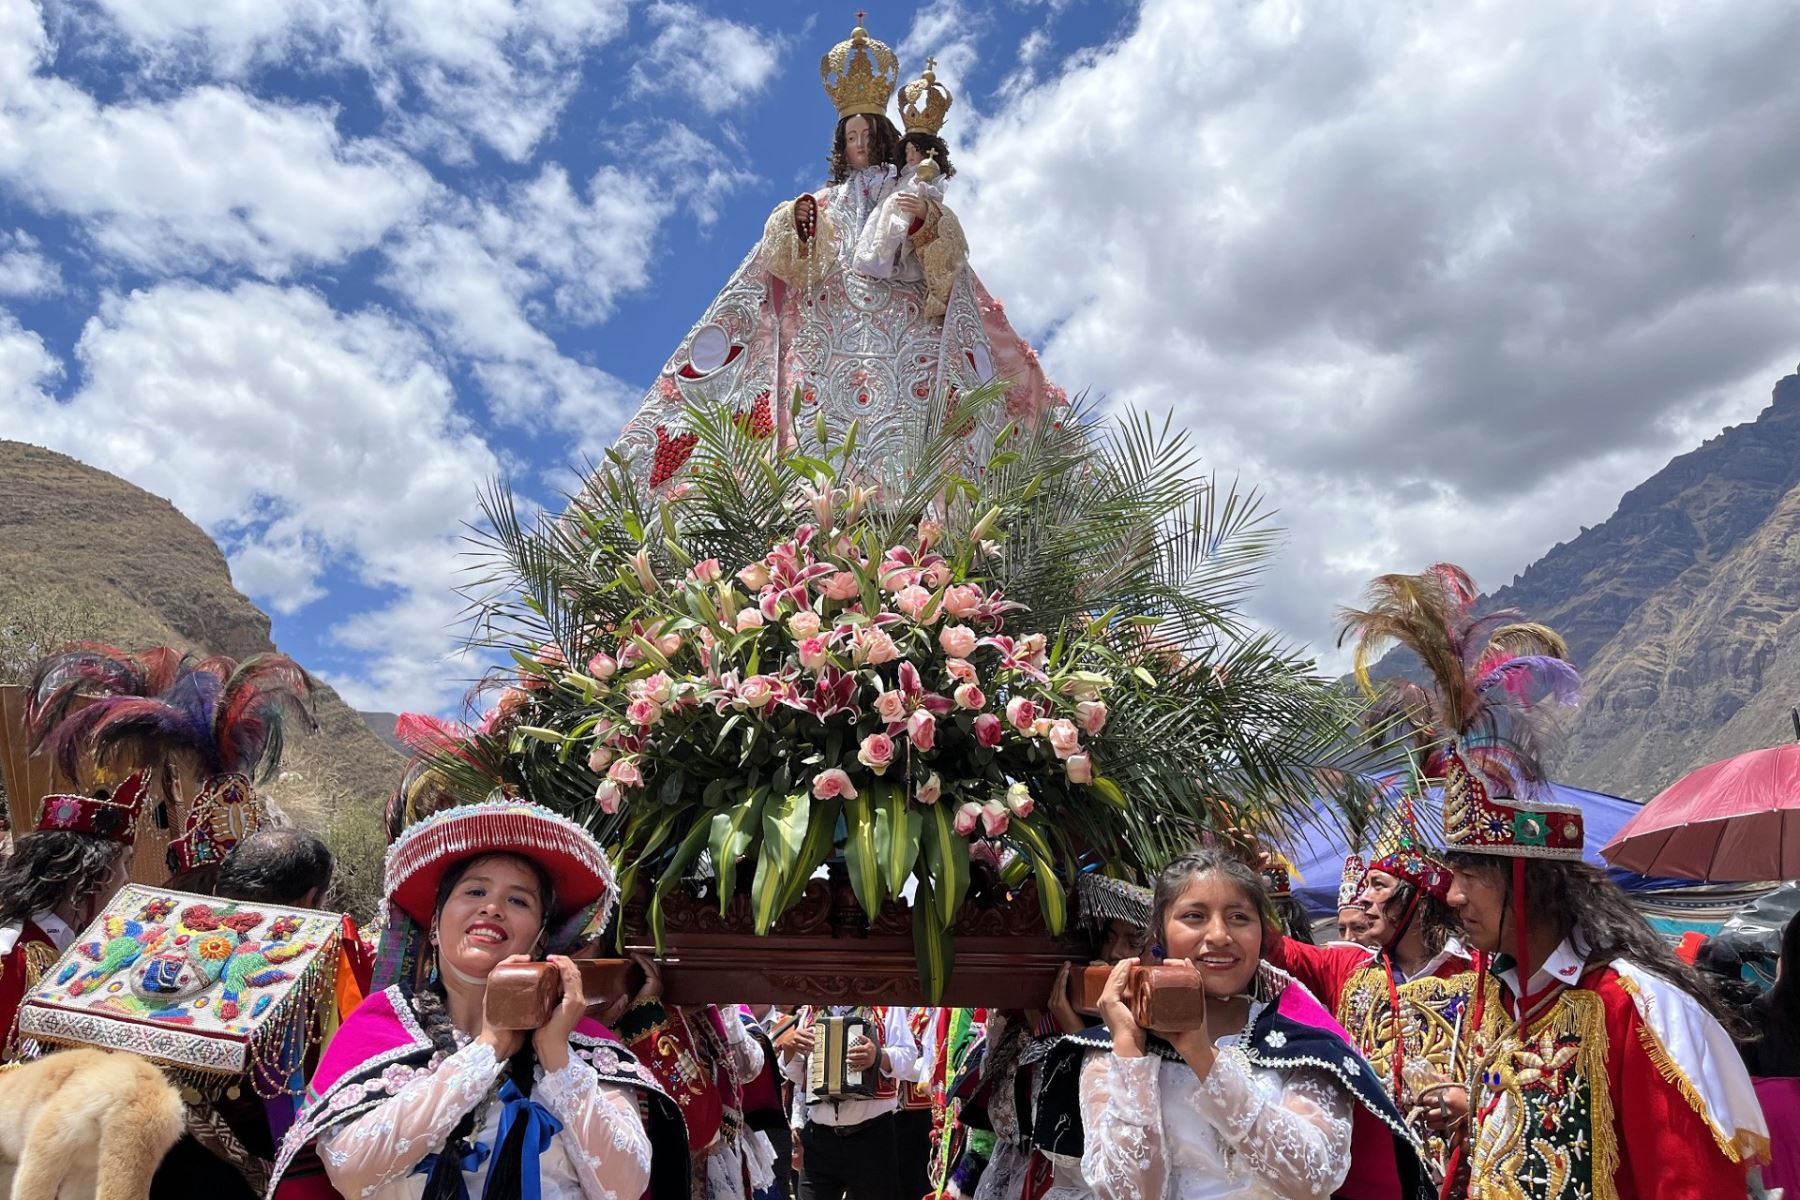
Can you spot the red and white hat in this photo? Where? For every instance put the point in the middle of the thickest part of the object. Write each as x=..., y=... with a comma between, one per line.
x=579, y=870
x=1477, y=821
x=113, y=817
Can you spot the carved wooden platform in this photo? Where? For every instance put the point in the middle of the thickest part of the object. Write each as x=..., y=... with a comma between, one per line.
x=826, y=951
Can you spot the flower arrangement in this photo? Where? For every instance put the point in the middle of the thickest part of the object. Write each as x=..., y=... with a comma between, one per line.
x=805, y=654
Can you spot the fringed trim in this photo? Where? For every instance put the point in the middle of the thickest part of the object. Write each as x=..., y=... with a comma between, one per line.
x=1744, y=1144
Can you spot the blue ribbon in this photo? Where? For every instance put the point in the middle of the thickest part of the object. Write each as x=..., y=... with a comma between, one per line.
x=471, y=1161
x=540, y=1126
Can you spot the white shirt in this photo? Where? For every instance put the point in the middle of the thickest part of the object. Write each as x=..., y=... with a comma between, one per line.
x=899, y=1053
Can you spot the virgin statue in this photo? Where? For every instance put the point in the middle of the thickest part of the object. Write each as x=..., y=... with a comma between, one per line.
x=870, y=345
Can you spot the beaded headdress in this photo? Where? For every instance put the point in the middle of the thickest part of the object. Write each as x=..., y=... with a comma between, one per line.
x=1401, y=852
x=1278, y=877
x=1104, y=899
x=113, y=816
x=1477, y=821
x=859, y=74
x=1351, y=881
x=225, y=812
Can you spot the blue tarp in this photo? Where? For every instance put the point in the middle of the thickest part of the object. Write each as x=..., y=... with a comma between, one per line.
x=1321, y=858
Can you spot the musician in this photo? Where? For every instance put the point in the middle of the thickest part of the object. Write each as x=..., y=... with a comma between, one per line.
x=848, y=1146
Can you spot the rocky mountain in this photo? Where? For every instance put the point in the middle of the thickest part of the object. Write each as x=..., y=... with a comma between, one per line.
x=1682, y=609
x=125, y=567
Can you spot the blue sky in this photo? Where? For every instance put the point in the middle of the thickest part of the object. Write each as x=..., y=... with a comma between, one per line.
x=1445, y=282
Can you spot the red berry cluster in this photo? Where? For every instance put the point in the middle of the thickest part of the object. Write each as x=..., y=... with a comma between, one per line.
x=671, y=453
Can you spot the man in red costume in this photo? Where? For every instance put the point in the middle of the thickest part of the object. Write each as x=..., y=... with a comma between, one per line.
x=54, y=882
x=1599, y=1068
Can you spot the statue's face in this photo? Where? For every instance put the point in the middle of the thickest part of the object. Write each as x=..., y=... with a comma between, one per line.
x=857, y=136
x=913, y=157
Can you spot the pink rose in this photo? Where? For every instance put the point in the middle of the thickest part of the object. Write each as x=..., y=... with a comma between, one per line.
x=1019, y=800
x=1022, y=714
x=749, y=619
x=755, y=577
x=625, y=773
x=658, y=687
x=706, y=571
x=921, y=730
x=994, y=818
x=551, y=655
x=876, y=753
x=603, y=666
x=969, y=696
x=911, y=601
x=929, y=791
x=813, y=653
x=1091, y=715
x=1065, y=739
x=841, y=585
x=961, y=670
x=958, y=641
x=643, y=712
x=967, y=818
x=937, y=575
x=832, y=783
x=891, y=707
x=1080, y=768
x=669, y=644
x=987, y=730
x=607, y=796
x=756, y=692
x=804, y=624
x=875, y=647
x=962, y=600
x=598, y=757
x=603, y=731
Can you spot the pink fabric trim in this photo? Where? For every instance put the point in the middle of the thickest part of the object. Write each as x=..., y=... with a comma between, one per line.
x=1374, y=1173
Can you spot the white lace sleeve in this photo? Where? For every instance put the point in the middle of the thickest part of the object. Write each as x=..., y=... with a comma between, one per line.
x=388, y=1141
x=746, y=1051
x=1299, y=1146
x=1121, y=1112
x=602, y=1133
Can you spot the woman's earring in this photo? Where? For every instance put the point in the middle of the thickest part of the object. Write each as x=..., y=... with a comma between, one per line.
x=1157, y=951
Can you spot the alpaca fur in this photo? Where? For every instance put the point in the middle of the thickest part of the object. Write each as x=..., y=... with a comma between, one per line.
x=84, y=1123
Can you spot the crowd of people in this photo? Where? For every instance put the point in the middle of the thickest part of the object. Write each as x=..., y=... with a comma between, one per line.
x=1457, y=1043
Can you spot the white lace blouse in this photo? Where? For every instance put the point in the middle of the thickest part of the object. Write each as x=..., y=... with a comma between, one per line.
x=1156, y=1131
x=602, y=1152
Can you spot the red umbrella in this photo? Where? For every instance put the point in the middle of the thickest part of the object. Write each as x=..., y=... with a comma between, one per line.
x=1735, y=820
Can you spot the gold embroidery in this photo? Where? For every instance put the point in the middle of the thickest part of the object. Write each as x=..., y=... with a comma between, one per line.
x=1554, y=1109
x=943, y=252
x=39, y=958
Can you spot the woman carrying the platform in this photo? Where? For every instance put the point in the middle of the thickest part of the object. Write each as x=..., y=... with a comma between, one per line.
x=1267, y=1100
x=418, y=1096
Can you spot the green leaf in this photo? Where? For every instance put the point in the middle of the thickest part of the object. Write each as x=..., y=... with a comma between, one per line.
x=732, y=832
x=1052, y=898
x=897, y=829
x=933, y=944
x=821, y=837
x=1109, y=791
x=946, y=860
x=685, y=854
x=860, y=855
x=785, y=825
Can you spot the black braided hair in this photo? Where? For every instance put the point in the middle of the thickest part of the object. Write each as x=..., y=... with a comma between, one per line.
x=445, y=1182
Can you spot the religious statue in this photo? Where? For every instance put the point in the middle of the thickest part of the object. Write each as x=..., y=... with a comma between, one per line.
x=873, y=337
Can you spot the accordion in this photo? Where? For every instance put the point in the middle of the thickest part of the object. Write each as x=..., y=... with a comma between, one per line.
x=829, y=1074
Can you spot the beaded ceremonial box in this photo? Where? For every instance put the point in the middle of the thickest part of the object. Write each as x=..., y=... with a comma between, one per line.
x=202, y=985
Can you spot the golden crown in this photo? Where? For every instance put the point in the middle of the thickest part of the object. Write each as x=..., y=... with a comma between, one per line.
x=859, y=74
x=924, y=103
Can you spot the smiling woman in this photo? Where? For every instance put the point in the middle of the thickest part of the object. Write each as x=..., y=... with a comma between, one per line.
x=1264, y=1100
x=421, y=1096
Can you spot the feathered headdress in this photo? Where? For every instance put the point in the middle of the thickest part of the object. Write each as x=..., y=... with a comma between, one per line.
x=221, y=719
x=1490, y=675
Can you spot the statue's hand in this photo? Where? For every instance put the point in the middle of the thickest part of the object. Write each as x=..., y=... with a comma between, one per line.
x=912, y=206
x=806, y=217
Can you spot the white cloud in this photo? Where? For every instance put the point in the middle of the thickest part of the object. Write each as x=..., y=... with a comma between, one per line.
x=718, y=63
x=309, y=442
x=24, y=271
x=950, y=32
x=213, y=175
x=488, y=275
x=449, y=74
x=1445, y=280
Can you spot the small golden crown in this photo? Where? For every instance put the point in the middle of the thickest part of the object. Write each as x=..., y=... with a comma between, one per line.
x=860, y=74
x=924, y=103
